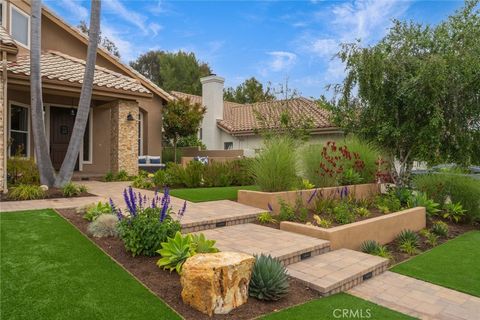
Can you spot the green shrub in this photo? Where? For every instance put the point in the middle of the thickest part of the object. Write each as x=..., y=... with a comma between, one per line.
x=388, y=203
x=26, y=192
x=96, y=210
x=142, y=182
x=242, y=172
x=408, y=241
x=430, y=238
x=322, y=222
x=71, y=189
x=350, y=176
x=440, y=228
x=422, y=200
x=122, y=175
x=103, y=226
x=375, y=248
x=269, y=279
x=310, y=160
x=266, y=217
x=193, y=174
x=362, y=212
x=160, y=178
x=22, y=171
x=274, y=169
x=458, y=188
x=176, y=250
x=174, y=175
x=286, y=212
x=143, y=233
x=343, y=214
x=217, y=174
x=368, y=153
x=109, y=177
x=454, y=211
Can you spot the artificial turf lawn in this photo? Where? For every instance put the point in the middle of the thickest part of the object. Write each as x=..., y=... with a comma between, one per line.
x=210, y=194
x=454, y=264
x=338, y=306
x=49, y=270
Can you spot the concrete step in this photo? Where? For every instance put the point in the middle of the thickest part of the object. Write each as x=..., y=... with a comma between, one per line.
x=253, y=239
x=338, y=270
x=216, y=214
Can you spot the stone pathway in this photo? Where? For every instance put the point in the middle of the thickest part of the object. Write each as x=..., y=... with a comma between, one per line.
x=418, y=298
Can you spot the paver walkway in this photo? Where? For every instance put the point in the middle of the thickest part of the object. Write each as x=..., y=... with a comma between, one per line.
x=418, y=298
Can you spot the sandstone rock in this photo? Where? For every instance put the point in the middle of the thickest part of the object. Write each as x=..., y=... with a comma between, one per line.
x=216, y=282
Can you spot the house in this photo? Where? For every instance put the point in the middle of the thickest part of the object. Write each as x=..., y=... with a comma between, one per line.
x=126, y=109
x=228, y=125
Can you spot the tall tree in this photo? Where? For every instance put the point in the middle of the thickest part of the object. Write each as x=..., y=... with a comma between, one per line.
x=102, y=40
x=68, y=165
x=44, y=163
x=181, y=119
x=250, y=91
x=179, y=71
x=416, y=92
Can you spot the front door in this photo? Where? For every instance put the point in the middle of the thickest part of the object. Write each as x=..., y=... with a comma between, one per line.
x=61, y=126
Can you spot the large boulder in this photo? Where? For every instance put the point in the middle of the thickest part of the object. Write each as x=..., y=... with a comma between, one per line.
x=216, y=282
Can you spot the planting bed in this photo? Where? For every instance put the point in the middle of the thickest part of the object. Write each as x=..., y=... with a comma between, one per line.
x=167, y=286
x=52, y=193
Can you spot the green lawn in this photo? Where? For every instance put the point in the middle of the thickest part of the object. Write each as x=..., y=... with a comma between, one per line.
x=210, y=194
x=49, y=270
x=454, y=264
x=339, y=306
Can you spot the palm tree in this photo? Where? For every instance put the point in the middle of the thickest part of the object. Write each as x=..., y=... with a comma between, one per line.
x=44, y=163
x=66, y=170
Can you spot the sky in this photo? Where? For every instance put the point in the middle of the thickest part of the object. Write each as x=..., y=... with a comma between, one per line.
x=270, y=40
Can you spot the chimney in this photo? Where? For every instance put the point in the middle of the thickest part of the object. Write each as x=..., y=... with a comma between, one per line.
x=212, y=99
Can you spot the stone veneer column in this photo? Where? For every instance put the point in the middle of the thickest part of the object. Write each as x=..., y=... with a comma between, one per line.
x=3, y=113
x=124, y=137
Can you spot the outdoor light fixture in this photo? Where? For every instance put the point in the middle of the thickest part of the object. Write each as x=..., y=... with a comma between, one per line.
x=130, y=117
x=72, y=112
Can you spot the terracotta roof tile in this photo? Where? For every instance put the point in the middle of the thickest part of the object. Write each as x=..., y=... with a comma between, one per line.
x=59, y=66
x=242, y=118
x=6, y=39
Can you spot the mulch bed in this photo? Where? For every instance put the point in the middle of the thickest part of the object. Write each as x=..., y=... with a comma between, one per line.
x=454, y=230
x=51, y=193
x=167, y=286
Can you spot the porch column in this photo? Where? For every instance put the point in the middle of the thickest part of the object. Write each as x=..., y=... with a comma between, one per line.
x=124, y=137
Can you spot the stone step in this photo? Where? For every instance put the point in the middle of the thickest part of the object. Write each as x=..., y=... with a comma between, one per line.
x=216, y=214
x=255, y=239
x=338, y=270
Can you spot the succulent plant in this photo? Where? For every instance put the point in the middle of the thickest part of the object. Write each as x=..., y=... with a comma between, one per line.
x=175, y=252
x=440, y=228
x=269, y=279
x=200, y=244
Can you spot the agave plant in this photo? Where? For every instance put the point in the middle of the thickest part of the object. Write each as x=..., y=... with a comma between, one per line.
x=200, y=244
x=269, y=279
x=175, y=252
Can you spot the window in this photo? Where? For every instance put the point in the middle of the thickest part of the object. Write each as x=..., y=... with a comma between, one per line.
x=228, y=145
x=3, y=10
x=20, y=26
x=140, y=133
x=19, y=131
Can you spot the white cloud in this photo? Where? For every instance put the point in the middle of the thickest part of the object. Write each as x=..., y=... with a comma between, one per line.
x=324, y=47
x=131, y=16
x=281, y=60
x=127, y=50
x=74, y=7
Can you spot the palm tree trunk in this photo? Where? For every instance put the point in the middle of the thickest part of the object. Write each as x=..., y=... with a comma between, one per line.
x=44, y=163
x=66, y=170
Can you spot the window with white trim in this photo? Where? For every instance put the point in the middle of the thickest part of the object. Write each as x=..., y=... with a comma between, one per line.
x=20, y=26
x=140, y=133
x=3, y=11
x=19, y=131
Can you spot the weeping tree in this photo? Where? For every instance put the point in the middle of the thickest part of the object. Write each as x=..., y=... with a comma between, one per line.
x=47, y=174
x=416, y=92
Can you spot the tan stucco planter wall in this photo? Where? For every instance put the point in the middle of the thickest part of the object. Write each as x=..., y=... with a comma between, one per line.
x=261, y=199
x=383, y=229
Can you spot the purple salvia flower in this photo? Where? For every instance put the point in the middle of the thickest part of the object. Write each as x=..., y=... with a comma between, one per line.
x=314, y=193
x=145, y=200
x=140, y=201
x=118, y=212
x=181, y=212
x=127, y=201
x=133, y=201
x=270, y=208
x=163, y=212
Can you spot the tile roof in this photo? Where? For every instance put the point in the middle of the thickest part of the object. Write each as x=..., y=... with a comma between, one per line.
x=6, y=40
x=242, y=118
x=61, y=67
